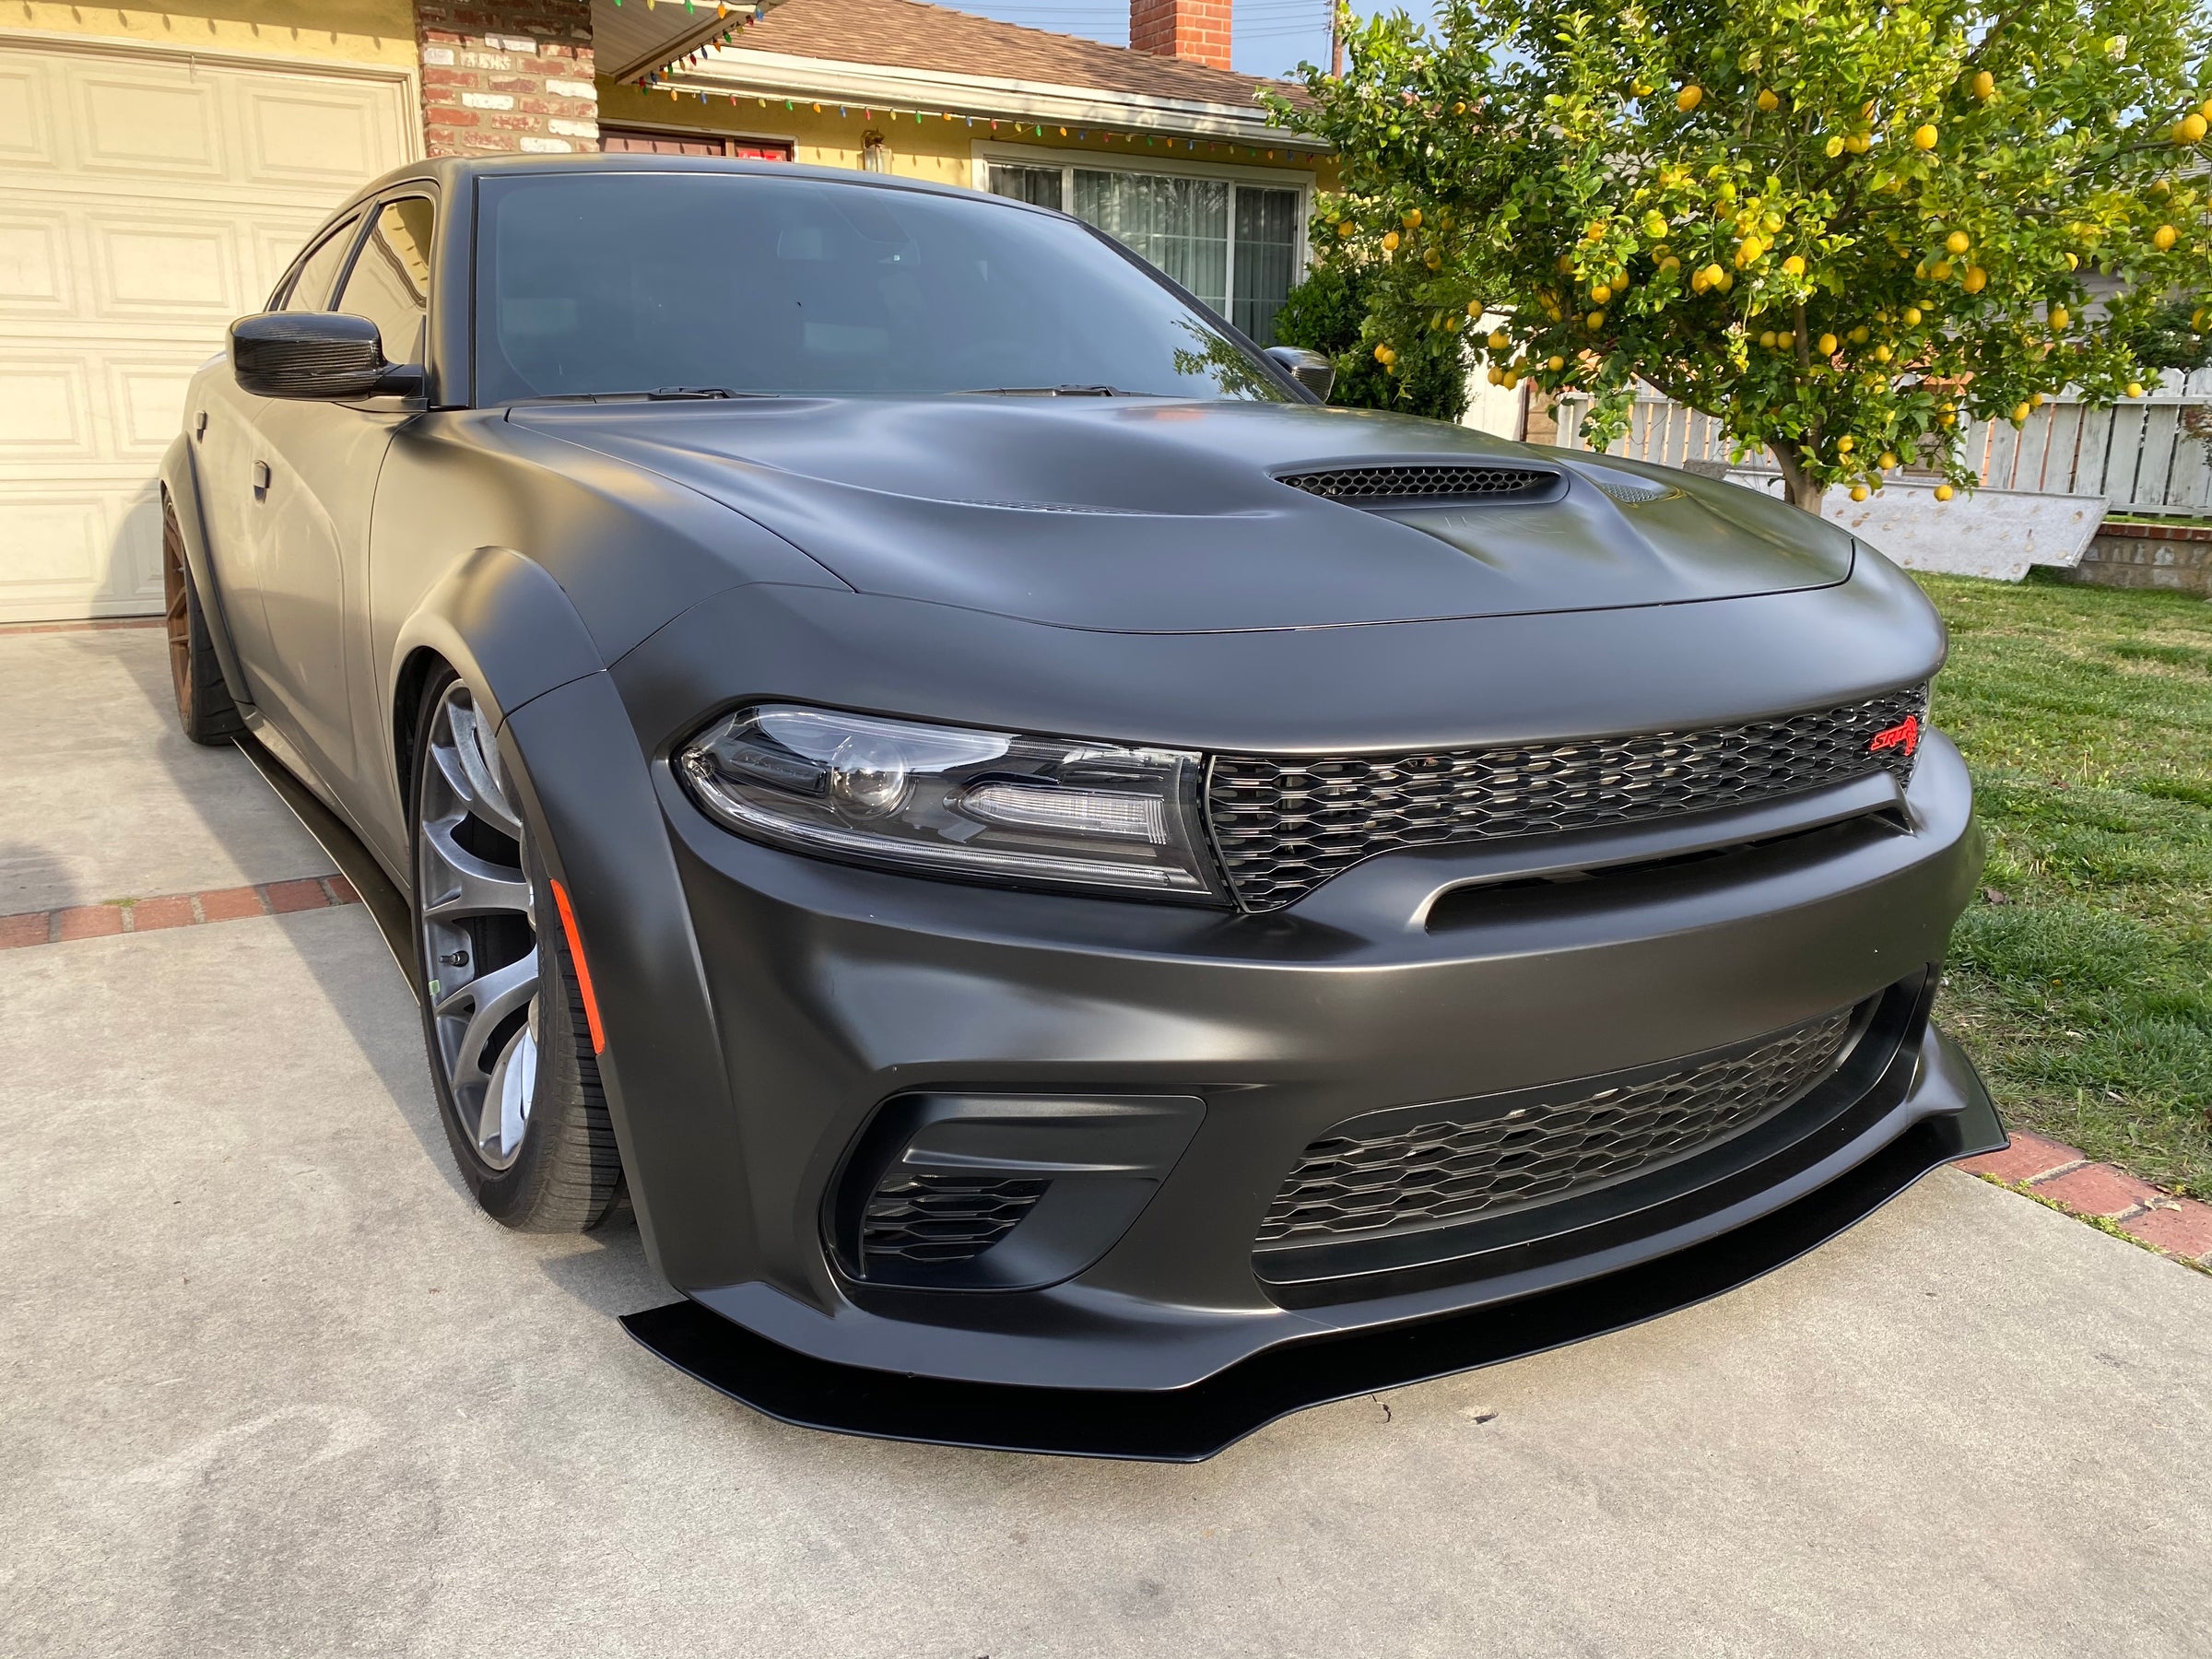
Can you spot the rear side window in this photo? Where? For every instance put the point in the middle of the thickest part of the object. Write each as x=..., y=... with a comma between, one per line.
x=311, y=289
x=390, y=283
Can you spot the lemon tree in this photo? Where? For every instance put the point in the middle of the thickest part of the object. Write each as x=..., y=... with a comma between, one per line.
x=1843, y=229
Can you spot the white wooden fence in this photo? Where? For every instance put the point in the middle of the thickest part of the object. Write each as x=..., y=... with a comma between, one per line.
x=2144, y=454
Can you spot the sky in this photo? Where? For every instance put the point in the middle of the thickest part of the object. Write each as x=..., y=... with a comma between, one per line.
x=1270, y=36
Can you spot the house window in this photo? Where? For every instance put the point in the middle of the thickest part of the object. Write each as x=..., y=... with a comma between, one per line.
x=643, y=141
x=1234, y=245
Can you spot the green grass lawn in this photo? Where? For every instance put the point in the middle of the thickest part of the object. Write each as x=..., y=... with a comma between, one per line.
x=2082, y=980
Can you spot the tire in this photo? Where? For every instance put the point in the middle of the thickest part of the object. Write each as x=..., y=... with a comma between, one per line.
x=517, y=1082
x=203, y=705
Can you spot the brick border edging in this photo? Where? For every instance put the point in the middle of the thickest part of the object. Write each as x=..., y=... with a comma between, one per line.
x=2067, y=1178
x=173, y=909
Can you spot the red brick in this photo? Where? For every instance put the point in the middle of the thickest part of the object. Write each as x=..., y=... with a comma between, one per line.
x=341, y=891
x=2097, y=1190
x=466, y=81
x=288, y=895
x=2028, y=1157
x=31, y=928
x=173, y=910
x=231, y=904
x=88, y=922
x=2183, y=1227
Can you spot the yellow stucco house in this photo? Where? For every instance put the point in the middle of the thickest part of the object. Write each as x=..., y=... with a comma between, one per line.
x=159, y=166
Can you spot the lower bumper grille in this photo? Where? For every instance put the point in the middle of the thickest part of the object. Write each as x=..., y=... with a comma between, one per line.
x=935, y=1219
x=1371, y=1175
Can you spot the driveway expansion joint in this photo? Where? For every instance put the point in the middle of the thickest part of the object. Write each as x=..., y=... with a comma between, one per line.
x=2066, y=1179
x=173, y=909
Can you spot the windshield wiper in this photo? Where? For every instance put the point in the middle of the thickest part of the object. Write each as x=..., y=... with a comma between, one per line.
x=1052, y=392
x=658, y=395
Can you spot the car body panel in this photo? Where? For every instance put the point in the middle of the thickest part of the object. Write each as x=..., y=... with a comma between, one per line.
x=1146, y=515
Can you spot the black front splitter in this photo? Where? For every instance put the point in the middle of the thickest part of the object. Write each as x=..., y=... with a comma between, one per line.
x=1188, y=1425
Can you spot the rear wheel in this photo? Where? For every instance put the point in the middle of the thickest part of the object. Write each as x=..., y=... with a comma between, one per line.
x=203, y=705
x=510, y=1048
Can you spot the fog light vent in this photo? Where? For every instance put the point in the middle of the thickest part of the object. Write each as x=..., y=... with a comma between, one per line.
x=936, y=1218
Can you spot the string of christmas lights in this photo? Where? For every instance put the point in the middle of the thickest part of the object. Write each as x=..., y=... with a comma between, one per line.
x=654, y=80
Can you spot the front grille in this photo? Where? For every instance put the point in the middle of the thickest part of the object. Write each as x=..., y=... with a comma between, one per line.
x=1282, y=827
x=943, y=1218
x=1359, y=1181
x=1381, y=486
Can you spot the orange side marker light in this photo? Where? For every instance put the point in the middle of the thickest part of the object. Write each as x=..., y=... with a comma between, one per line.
x=583, y=972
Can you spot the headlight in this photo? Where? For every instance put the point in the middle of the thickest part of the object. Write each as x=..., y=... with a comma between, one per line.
x=944, y=799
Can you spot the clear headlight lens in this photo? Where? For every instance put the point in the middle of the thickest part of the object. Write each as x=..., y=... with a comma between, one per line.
x=1034, y=811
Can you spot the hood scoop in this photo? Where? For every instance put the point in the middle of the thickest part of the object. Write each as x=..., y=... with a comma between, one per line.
x=1398, y=483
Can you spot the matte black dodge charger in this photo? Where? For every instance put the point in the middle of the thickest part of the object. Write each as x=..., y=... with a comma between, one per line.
x=1085, y=899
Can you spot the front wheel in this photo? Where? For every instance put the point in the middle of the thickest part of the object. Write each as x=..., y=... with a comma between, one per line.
x=510, y=1047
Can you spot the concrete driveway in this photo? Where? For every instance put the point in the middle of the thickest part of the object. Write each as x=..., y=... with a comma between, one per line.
x=270, y=1385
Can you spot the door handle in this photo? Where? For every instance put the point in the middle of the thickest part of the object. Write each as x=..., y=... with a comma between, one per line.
x=261, y=480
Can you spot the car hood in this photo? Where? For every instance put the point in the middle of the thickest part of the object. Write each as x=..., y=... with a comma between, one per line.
x=1155, y=516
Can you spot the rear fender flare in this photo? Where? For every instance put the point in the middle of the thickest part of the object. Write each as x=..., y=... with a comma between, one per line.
x=180, y=495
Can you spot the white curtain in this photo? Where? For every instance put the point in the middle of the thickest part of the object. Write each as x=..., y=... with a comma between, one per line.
x=1181, y=225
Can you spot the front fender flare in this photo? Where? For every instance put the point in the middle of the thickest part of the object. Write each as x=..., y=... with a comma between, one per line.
x=181, y=486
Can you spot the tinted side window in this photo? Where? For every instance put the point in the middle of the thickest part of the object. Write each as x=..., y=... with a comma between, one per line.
x=390, y=284
x=311, y=289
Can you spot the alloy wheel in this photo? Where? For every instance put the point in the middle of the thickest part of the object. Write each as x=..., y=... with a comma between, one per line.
x=176, y=609
x=477, y=924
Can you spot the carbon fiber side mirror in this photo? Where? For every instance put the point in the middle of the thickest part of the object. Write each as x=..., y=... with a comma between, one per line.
x=325, y=355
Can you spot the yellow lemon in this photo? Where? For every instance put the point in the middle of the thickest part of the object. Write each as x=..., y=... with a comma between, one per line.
x=1510, y=382
x=1975, y=279
x=1858, y=334
x=2205, y=108
x=2134, y=388
x=1564, y=265
x=1500, y=340
x=1555, y=363
x=1641, y=89
x=1881, y=354
x=1497, y=375
x=1793, y=265
x=2073, y=262
x=1475, y=308
x=1459, y=109
x=1985, y=86
x=1858, y=492
x=1596, y=319
x=1944, y=492
x=1845, y=443
x=1670, y=264
x=1941, y=270
x=2164, y=237
x=1433, y=260
x=1654, y=224
x=2035, y=400
x=1383, y=354
x=1911, y=314
x=1347, y=228
x=1886, y=460
x=1689, y=97
x=1601, y=293
x=1389, y=242
x=1411, y=219
x=1749, y=251
x=1724, y=282
x=2189, y=129
x=1957, y=242
x=1949, y=419
x=1924, y=136
x=1834, y=147
x=2020, y=412
x=1767, y=100
x=1826, y=345
x=1767, y=339
x=1786, y=338
x=1858, y=144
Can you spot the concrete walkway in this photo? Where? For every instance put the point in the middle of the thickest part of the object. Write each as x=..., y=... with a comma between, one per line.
x=269, y=1385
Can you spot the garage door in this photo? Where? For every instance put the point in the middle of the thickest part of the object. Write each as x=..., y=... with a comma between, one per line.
x=146, y=197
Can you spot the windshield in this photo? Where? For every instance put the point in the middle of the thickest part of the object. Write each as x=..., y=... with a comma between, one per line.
x=634, y=281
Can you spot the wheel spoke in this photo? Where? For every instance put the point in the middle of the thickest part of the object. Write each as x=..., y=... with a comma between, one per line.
x=489, y=998
x=507, y=1093
x=465, y=885
x=470, y=767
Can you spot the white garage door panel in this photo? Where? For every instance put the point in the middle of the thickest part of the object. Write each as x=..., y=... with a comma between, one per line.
x=145, y=199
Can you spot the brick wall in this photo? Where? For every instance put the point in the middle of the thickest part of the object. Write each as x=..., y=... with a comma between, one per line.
x=498, y=77
x=1196, y=30
x=2155, y=555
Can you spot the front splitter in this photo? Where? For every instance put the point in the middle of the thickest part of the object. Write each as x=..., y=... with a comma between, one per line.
x=1188, y=1425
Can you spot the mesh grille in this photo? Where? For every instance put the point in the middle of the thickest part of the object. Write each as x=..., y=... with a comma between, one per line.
x=1360, y=485
x=1282, y=827
x=1453, y=1168
x=936, y=1218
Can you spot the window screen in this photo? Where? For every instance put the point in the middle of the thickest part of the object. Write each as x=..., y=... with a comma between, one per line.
x=1039, y=186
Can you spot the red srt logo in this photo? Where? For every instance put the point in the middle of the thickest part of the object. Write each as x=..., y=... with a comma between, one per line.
x=1905, y=735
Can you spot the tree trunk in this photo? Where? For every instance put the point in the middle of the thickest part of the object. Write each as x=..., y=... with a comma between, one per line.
x=1804, y=491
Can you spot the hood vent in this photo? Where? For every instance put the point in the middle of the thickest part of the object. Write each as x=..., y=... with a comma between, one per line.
x=1438, y=481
